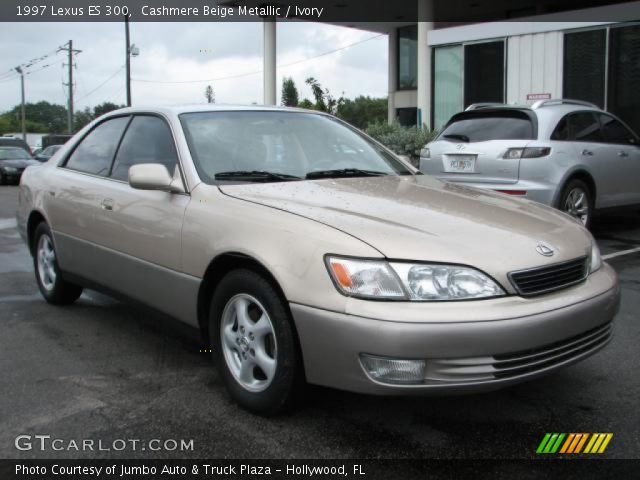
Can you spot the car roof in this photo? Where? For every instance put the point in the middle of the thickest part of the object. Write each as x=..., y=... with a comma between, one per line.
x=197, y=108
x=548, y=114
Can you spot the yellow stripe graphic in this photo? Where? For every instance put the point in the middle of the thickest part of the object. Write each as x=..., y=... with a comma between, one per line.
x=596, y=445
x=606, y=441
x=567, y=442
x=591, y=442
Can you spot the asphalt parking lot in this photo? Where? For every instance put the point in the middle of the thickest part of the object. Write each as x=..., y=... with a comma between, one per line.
x=102, y=369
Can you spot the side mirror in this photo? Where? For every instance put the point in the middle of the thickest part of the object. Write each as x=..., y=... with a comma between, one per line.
x=153, y=176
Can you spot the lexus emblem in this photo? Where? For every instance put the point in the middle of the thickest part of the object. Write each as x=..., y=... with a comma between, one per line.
x=460, y=146
x=545, y=249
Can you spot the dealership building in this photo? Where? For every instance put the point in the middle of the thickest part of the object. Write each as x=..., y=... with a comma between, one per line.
x=515, y=51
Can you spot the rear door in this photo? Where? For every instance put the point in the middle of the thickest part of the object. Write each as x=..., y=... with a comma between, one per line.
x=474, y=146
x=622, y=152
x=72, y=198
x=583, y=130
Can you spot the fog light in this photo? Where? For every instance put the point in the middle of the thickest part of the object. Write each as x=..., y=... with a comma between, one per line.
x=394, y=370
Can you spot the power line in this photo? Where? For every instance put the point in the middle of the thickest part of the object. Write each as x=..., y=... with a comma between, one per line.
x=329, y=52
x=102, y=84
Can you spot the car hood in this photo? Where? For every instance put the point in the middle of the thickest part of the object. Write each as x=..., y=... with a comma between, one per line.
x=422, y=218
x=18, y=163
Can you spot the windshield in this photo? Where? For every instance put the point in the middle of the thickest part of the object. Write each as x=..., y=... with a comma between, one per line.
x=475, y=126
x=281, y=146
x=13, y=154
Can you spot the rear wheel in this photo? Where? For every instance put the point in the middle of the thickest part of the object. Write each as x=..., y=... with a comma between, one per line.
x=576, y=200
x=254, y=343
x=53, y=287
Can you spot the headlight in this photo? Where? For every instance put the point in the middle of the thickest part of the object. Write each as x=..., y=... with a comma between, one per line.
x=365, y=278
x=596, y=259
x=409, y=281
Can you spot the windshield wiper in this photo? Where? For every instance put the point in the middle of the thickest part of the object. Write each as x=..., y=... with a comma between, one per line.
x=457, y=136
x=345, y=172
x=255, y=176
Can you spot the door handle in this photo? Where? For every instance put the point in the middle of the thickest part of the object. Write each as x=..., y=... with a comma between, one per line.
x=587, y=152
x=623, y=154
x=107, y=204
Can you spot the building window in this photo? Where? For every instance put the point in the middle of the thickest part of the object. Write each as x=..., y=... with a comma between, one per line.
x=407, y=117
x=584, y=66
x=613, y=85
x=447, y=84
x=408, y=57
x=484, y=73
x=624, y=74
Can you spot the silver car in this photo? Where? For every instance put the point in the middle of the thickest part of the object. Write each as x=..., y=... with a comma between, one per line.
x=564, y=153
x=303, y=250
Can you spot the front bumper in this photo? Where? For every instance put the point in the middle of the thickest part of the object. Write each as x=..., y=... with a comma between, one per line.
x=465, y=355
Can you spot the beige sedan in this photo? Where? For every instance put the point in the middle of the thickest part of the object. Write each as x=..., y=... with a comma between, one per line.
x=305, y=251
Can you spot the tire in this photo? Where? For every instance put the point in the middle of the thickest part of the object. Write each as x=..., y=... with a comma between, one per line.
x=573, y=192
x=52, y=286
x=271, y=375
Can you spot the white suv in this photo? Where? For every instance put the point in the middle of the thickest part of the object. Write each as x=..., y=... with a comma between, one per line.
x=564, y=153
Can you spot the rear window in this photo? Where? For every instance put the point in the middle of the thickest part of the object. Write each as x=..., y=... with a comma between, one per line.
x=480, y=126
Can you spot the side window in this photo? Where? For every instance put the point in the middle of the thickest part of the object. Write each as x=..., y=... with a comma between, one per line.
x=584, y=127
x=95, y=152
x=615, y=132
x=148, y=140
x=562, y=130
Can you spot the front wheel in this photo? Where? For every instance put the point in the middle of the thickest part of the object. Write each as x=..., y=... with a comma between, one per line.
x=254, y=343
x=53, y=287
x=576, y=200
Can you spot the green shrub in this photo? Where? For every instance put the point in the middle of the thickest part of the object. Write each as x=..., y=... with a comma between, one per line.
x=402, y=140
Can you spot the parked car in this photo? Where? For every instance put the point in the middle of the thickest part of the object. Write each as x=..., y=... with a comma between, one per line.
x=15, y=142
x=13, y=161
x=326, y=259
x=564, y=153
x=47, y=153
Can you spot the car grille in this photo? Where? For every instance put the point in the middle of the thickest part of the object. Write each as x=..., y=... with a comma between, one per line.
x=511, y=365
x=539, y=280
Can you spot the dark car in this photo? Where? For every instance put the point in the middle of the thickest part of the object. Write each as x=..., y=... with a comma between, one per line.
x=13, y=161
x=15, y=142
x=47, y=153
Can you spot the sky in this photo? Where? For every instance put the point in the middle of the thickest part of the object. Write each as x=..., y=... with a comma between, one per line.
x=181, y=52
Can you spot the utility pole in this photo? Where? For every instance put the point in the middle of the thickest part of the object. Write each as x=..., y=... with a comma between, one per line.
x=131, y=51
x=70, y=52
x=22, y=114
x=128, y=62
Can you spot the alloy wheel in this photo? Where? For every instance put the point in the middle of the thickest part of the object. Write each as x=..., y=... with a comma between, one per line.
x=248, y=342
x=46, y=263
x=577, y=204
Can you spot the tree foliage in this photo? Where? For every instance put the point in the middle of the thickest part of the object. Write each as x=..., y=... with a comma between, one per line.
x=289, y=92
x=325, y=102
x=83, y=117
x=363, y=111
x=209, y=94
x=402, y=140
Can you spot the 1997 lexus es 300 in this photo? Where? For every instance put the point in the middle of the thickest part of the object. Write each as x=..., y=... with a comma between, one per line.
x=305, y=250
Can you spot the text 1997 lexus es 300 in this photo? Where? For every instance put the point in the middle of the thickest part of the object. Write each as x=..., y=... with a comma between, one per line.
x=306, y=251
